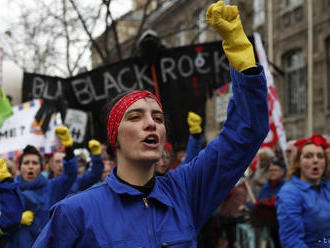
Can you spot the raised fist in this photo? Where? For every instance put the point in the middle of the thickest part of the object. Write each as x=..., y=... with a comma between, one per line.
x=95, y=147
x=4, y=173
x=194, y=122
x=226, y=21
x=62, y=132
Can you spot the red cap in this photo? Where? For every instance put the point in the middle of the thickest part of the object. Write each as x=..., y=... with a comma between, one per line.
x=316, y=139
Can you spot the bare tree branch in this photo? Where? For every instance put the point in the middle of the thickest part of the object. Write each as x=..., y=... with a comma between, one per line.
x=94, y=43
x=67, y=38
x=144, y=18
x=114, y=29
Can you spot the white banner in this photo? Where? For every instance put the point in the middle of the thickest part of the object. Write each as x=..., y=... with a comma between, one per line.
x=274, y=106
x=21, y=129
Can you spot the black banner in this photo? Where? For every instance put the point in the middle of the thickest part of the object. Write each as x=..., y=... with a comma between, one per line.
x=183, y=77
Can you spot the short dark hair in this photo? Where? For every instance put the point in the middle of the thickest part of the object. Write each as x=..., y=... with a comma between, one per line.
x=30, y=150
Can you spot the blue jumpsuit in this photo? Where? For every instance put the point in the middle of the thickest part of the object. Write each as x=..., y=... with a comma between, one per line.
x=11, y=207
x=303, y=212
x=90, y=177
x=114, y=214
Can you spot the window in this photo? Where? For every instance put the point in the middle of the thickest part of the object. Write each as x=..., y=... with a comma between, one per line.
x=292, y=2
x=182, y=35
x=328, y=68
x=259, y=12
x=201, y=26
x=326, y=4
x=295, y=81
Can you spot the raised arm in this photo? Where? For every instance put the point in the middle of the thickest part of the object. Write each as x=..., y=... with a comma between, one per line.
x=60, y=186
x=195, y=138
x=208, y=178
x=93, y=175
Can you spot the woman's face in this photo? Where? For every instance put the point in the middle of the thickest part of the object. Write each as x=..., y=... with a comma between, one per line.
x=141, y=132
x=30, y=167
x=275, y=173
x=164, y=163
x=312, y=163
x=57, y=163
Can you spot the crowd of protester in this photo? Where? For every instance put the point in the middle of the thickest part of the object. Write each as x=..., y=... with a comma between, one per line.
x=199, y=196
x=289, y=202
x=284, y=200
x=285, y=203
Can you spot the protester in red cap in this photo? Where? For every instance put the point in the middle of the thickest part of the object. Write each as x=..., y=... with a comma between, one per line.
x=147, y=211
x=303, y=203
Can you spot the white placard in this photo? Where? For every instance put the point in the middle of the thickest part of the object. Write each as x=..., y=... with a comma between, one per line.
x=21, y=129
x=76, y=121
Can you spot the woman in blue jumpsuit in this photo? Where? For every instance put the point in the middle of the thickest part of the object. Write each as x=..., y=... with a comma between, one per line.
x=38, y=194
x=303, y=203
x=132, y=208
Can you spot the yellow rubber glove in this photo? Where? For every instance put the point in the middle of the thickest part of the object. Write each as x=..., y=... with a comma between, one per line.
x=226, y=21
x=27, y=218
x=62, y=132
x=194, y=122
x=95, y=147
x=4, y=173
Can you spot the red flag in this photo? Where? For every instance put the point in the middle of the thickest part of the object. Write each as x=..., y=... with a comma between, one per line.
x=276, y=132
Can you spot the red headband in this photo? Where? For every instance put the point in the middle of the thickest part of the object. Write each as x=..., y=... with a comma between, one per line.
x=316, y=139
x=119, y=109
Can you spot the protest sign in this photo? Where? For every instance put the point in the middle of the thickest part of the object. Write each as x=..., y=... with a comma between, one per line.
x=21, y=129
x=76, y=121
x=183, y=77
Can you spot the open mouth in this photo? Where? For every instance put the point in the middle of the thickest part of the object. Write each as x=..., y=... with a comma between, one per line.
x=151, y=140
x=315, y=171
x=30, y=175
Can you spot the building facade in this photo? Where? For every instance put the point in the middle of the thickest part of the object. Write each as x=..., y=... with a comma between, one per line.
x=298, y=46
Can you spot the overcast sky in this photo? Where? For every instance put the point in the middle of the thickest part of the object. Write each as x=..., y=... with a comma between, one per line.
x=9, y=11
